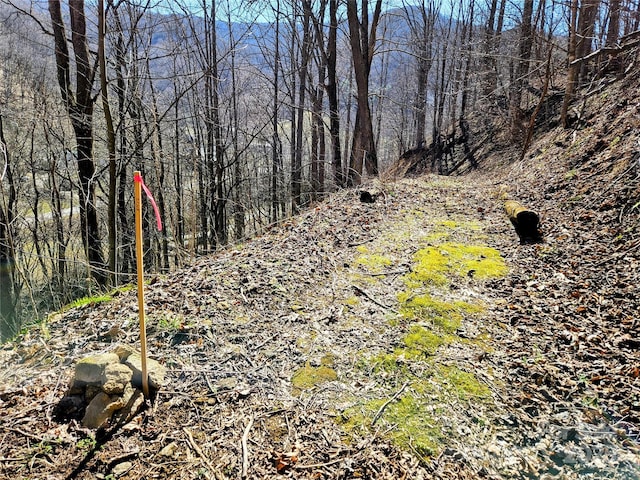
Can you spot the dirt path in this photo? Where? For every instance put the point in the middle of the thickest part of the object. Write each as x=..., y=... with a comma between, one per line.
x=407, y=338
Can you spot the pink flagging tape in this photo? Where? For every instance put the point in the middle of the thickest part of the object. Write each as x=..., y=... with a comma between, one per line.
x=138, y=178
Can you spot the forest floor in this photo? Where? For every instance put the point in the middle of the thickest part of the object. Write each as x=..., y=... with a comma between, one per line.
x=412, y=337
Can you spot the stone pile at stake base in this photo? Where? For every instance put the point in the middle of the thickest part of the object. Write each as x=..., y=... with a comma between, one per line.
x=107, y=385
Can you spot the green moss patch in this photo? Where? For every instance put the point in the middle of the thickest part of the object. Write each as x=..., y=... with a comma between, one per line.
x=373, y=262
x=395, y=361
x=414, y=427
x=424, y=341
x=308, y=377
x=450, y=251
x=413, y=418
x=435, y=264
x=461, y=384
x=446, y=316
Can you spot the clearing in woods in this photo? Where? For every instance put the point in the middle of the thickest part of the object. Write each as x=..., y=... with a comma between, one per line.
x=412, y=337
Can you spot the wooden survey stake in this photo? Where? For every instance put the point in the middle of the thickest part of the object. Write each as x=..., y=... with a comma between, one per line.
x=137, y=182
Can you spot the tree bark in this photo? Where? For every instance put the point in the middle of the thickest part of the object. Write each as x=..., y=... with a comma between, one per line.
x=296, y=166
x=522, y=70
x=422, y=32
x=362, y=40
x=276, y=150
x=80, y=109
x=8, y=288
x=332, y=95
x=111, y=144
x=572, y=73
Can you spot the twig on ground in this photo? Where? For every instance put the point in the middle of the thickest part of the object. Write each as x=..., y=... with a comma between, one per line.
x=245, y=448
x=319, y=465
x=390, y=272
x=200, y=453
x=387, y=403
x=361, y=291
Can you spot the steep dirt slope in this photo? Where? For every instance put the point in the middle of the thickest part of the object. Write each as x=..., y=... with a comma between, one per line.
x=572, y=303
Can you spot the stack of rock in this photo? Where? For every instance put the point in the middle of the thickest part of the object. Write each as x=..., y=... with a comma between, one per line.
x=109, y=385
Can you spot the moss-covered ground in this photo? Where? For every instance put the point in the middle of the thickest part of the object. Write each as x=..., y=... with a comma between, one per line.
x=441, y=257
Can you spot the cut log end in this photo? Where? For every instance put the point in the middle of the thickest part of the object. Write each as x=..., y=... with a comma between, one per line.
x=526, y=222
x=368, y=196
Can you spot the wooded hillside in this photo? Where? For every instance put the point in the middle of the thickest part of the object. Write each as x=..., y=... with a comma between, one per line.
x=400, y=329
x=241, y=113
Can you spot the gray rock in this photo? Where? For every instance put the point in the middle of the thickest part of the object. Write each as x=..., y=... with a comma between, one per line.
x=91, y=391
x=155, y=370
x=132, y=400
x=121, y=468
x=123, y=351
x=116, y=376
x=90, y=370
x=106, y=382
x=100, y=409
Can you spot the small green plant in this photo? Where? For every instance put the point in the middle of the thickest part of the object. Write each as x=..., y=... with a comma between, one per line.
x=614, y=142
x=88, y=443
x=43, y=448
x=170, y=323
x=84, y=301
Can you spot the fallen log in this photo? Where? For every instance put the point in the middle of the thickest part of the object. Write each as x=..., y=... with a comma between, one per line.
x=526, y=222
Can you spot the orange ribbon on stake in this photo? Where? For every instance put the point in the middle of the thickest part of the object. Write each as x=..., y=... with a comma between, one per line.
x=138, y=187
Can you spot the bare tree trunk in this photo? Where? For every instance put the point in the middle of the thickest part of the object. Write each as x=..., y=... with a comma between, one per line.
x=318, y=148
x=276, y=150
x=572, y=73
x=439, y=97
x=177, y=176
x=467, y=45
x=215, y=146
x=422, y=33
x=522, y=70
x=305, y=55
x=111, y=144
x=318, y=145
x=80, y=109
x=125, y=261
x=362, y=40
x=332, y=96
x=293, y=111
x=159, y=163
x=238, y=200
x=9, y=291
x=613, y=30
